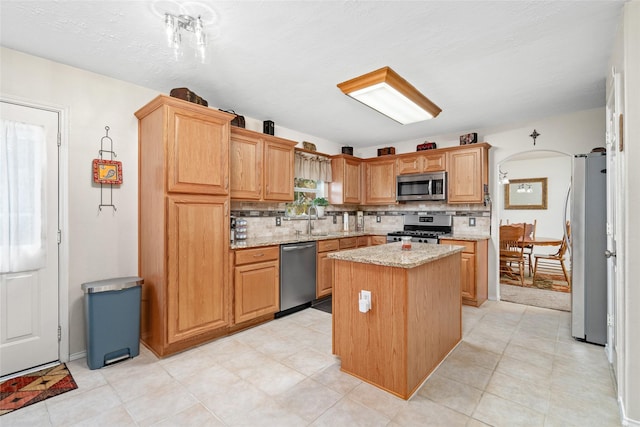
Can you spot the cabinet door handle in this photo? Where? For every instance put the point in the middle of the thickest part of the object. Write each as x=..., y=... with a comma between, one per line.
x=226, y=182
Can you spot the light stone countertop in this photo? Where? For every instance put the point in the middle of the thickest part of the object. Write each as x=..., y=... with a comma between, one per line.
x=469, y=237
x=392, y=255
x=291, y=238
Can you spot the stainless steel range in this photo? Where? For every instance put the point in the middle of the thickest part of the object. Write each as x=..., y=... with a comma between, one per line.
x=423, y=228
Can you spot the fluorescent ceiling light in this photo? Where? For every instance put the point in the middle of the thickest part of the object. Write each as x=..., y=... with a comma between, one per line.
x=388, y=93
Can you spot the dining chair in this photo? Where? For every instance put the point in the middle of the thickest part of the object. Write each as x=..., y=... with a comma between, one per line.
x=512, y=251
x=530, y=232
x=553, y=264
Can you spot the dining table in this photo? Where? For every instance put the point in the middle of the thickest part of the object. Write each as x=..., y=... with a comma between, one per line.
x=530, y=241
x=541, y=241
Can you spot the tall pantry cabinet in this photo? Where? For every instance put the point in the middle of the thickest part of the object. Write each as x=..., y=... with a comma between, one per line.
x=183, y=223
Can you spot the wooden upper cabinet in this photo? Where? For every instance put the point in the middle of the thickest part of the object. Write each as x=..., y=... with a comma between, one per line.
x=419, y=163
x=245, y=171
x=468, y=173
x=261, y=166
x=197, y=152
x=346, y=183
x=278, y=169
x=380, y=181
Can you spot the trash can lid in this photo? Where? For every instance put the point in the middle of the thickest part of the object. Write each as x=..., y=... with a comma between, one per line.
x=115, y=284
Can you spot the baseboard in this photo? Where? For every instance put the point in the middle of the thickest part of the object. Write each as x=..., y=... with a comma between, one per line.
x=626, y=421
x=76, y=356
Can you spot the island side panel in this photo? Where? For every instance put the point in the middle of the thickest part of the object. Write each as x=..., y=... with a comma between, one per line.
x=372, y=345
x=434, y=324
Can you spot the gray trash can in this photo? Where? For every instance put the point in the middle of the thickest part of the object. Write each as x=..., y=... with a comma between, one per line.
x=112, y=314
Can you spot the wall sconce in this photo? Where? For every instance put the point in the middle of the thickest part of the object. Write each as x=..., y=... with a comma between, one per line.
x=503, y=179
x=174, y=24
x=388, y=93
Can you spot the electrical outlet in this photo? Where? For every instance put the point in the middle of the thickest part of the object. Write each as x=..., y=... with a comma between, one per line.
x=364, y=301
x=378, y=219
x=366, y=295
x=278, y=221
x=472, y=222
x=335, y=219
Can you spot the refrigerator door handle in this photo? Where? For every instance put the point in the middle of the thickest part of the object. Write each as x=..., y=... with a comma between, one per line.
x=564, y=226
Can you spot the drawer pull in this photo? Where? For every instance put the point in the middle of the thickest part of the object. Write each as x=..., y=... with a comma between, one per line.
x=258, y=255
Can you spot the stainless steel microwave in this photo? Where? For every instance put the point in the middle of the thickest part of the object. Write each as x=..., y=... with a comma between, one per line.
x=421, y=186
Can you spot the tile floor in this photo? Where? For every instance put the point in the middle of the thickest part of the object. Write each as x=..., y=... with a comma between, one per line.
x=516, y=366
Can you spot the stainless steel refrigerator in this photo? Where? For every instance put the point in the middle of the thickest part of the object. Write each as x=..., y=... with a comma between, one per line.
x=588, y=246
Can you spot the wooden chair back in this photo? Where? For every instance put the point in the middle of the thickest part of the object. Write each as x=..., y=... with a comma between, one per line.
x=563, y=246
x=511, y=237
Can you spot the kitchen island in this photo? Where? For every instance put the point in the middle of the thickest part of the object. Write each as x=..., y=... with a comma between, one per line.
x=415, y=318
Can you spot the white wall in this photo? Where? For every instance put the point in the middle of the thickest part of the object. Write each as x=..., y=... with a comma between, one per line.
x=103, y=244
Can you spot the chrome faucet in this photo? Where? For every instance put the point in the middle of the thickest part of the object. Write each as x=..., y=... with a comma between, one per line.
x=310, y=225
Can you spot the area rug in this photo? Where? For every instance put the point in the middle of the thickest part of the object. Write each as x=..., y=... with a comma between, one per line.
x=536, y=297
x=542, y=281
x=35, y=387
x=324, y=305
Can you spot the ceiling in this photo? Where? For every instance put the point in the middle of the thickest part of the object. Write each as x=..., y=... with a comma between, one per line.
x=485, y=63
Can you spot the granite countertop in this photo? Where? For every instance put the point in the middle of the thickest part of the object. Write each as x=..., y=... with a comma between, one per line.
x=291, y=238
x=469, y=237
x=391, y=254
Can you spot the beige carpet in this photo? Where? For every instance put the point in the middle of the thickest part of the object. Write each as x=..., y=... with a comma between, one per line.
x=536, y=297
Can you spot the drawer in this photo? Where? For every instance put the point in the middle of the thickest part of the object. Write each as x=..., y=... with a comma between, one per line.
x=378, y=240
x=328, y=245
x=469, y=247
x=348, y=243
x=363, y=241
x=247, y=256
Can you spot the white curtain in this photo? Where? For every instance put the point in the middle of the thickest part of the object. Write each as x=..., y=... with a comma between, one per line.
x=309, y=166
x=22, y=197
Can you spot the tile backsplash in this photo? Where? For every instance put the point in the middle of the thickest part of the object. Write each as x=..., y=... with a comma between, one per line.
x=261, y=218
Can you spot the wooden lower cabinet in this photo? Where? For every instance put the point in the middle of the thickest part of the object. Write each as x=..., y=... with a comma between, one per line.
x=474, y=272
x=363, y=241
x=348, y=243
x=185, y=298
x=256, y=283
x=324, y=267
x=378, y=240
x=415, y=320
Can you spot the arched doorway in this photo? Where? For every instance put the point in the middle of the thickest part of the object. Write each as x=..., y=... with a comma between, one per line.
x=555, y=168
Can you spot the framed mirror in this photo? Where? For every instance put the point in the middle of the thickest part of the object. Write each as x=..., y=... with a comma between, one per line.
x=528, y=193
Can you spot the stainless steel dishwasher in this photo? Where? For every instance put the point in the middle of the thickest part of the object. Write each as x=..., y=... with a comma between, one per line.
x=297, y=276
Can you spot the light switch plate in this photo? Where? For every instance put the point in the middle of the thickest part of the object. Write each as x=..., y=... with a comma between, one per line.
x=472, y=222
x=378, y=219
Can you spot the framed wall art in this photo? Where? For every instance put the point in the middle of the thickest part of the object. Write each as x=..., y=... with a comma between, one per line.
x=107, y=171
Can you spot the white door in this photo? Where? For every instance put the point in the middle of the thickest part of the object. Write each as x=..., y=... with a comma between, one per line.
x=613, y=130
x=28, y=237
